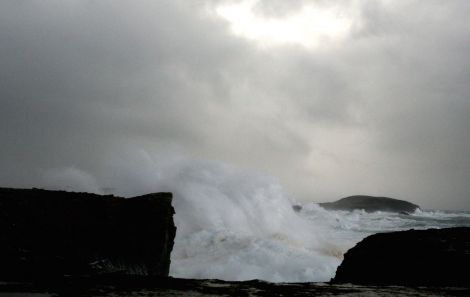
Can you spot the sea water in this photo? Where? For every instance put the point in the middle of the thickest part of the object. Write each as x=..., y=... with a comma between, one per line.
x=234, y=225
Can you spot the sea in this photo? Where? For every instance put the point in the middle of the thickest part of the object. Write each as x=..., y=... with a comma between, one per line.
x=233, y=225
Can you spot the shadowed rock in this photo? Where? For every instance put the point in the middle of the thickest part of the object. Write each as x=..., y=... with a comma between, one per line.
x=49, y=234
x=138, y=286
x=371, y=204
x=434, y=257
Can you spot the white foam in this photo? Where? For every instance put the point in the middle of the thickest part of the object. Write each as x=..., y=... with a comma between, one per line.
x=231, y=224
x=439, y=214
x=239, y=225
x=235, y=225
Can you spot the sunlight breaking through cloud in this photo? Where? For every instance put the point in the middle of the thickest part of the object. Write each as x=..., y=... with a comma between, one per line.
x=311, y=26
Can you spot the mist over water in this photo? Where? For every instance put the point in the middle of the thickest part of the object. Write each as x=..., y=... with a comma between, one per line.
x=238, y=225
x=241, y=226
x=235, y=225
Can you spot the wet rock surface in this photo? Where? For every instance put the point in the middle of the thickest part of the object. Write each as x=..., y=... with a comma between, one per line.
x=130, y=286
x=433, y=257
x=371, y=204
x=52, y=234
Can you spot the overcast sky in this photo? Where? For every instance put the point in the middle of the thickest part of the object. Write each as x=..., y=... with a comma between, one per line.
x=333, y=98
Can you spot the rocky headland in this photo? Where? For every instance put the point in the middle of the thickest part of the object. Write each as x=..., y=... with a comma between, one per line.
x=371, y=204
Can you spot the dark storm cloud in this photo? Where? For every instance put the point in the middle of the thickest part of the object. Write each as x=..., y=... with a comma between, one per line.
x=83, y=83
x=90, y=66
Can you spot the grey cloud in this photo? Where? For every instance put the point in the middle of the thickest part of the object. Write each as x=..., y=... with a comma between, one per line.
x=83, y=83
x=278, y=8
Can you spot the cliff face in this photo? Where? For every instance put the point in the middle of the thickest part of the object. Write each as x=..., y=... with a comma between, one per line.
x=370, y=204
x=49, y=234
x=433, y=257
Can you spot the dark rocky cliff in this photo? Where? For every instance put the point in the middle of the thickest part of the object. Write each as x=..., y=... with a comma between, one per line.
x=370, y=204
x=433, y=257
x=49, y=234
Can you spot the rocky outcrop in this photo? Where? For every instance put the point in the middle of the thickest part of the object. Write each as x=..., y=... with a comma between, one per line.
x=434, y=257
x=371, y=204
x=49, y=234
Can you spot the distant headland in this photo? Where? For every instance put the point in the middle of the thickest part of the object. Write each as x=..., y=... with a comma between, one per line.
x=371, y=204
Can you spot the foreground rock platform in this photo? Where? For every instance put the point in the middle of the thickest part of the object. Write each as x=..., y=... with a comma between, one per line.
x=433, y=257
x=371, y=204
x=130, y=286
x=50, y=234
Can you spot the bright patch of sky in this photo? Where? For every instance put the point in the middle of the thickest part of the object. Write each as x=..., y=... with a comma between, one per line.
x=310, y=26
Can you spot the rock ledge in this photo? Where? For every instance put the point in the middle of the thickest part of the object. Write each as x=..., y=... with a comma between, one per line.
x=50, y=234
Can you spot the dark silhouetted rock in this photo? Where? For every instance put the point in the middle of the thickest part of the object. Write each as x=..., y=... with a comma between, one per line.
x=434, y=257
x=371, y=204
x=49, y=234
x=297, y=208
x=138, y=286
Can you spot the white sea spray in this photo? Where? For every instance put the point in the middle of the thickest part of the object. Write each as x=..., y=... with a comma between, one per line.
x=235, y=224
